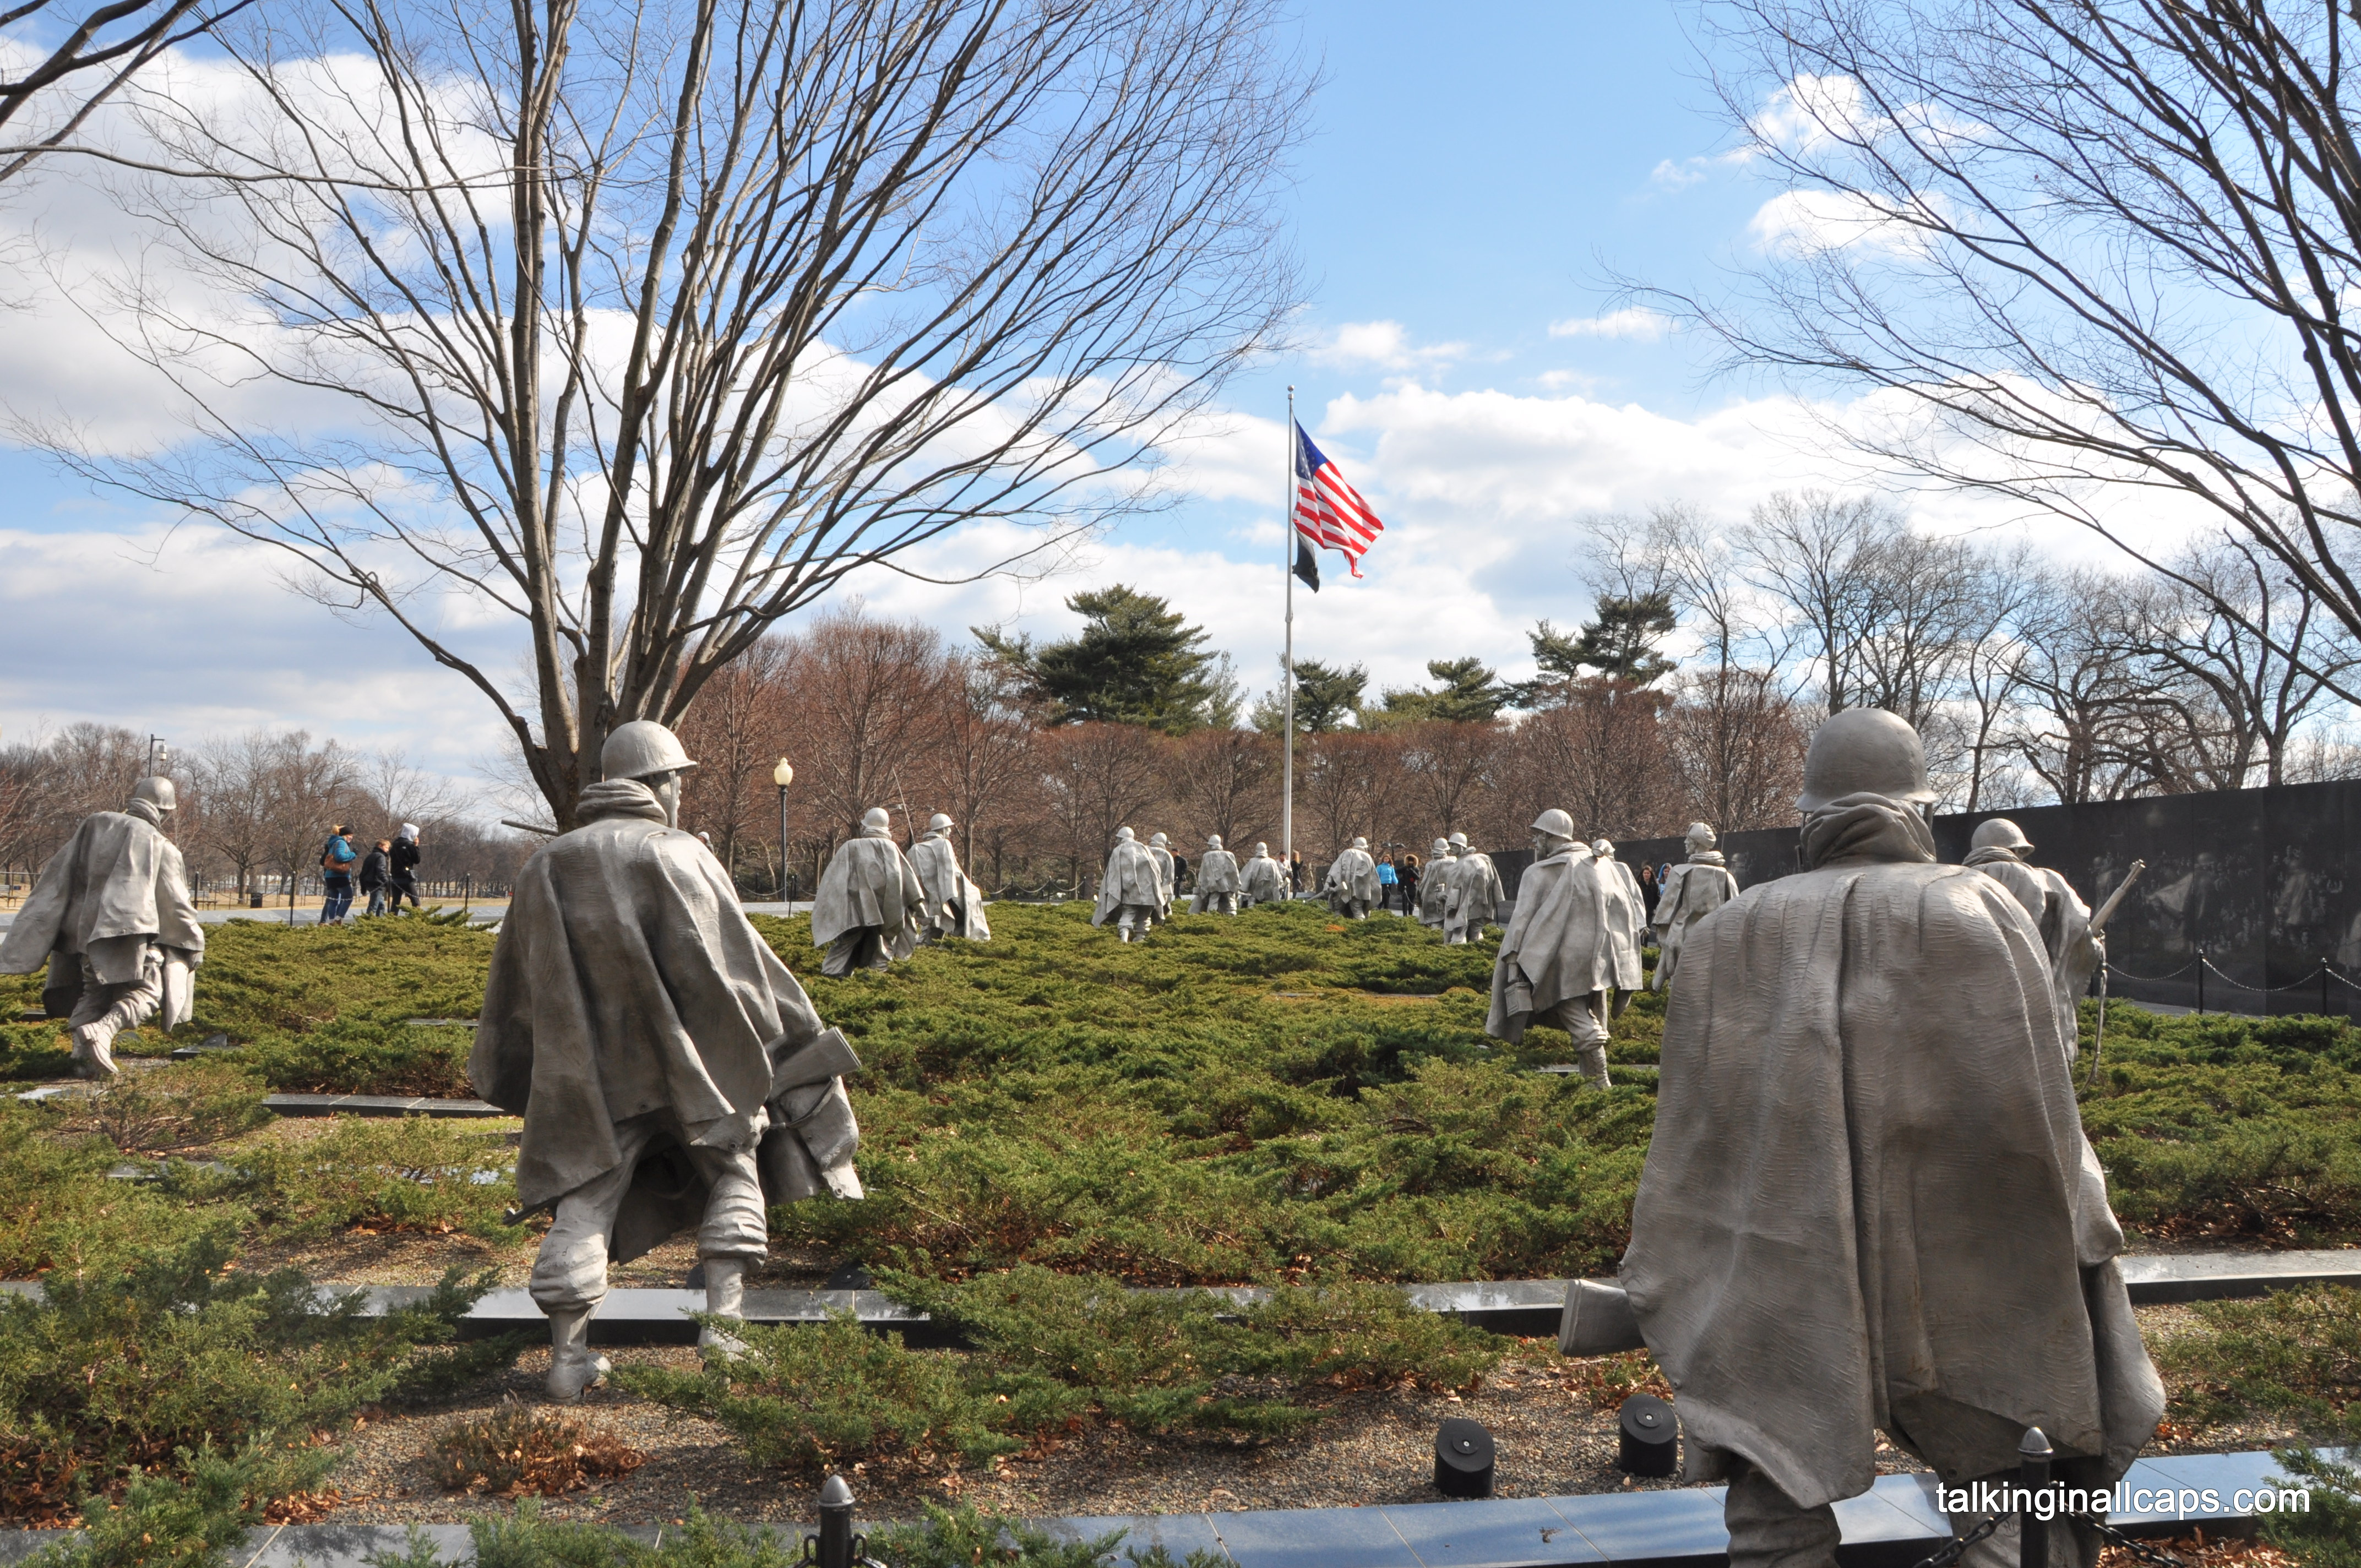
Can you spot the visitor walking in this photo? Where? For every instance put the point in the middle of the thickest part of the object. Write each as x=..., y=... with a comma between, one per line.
x=336, y=860
x=1648, y=889
x=1294, y=873
x=403, y=883
x=1406, y=876
x=1388, y=881
x=377, y=868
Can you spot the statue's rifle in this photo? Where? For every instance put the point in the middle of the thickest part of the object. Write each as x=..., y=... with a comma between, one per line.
x=2098, y=927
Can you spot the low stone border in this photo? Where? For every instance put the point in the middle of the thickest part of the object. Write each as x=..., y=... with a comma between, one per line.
x=1891, y=1526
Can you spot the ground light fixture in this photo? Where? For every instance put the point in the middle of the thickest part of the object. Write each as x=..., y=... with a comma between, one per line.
x=1650, y=1437
x=1463, y=1459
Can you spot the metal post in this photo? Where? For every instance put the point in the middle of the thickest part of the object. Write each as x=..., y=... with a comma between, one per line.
x=2324, y=985
x=2200, y=982
x=2033, y=1457
x=783, y=843
x=835, y=1546
x=1287, y=749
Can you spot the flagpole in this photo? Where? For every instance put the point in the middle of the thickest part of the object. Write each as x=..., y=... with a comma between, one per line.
x=1287, y=564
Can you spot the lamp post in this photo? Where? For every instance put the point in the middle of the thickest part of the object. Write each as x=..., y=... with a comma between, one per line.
x=783, y=775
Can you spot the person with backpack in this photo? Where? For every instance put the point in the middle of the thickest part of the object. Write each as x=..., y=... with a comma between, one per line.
x=377, y=868
x=336, y=860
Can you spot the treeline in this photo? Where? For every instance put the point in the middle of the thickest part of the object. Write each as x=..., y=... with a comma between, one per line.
x=255, y=809
x=1019, y=746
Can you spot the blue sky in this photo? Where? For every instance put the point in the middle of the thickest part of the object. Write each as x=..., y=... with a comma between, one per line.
x=1474, y=172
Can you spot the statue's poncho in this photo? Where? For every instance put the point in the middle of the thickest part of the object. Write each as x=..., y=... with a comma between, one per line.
x=1165, y=881
x=2065, y=923
x=1868, y=1201
x=1217, y=873
x=1693, y=890
x=869, y=883
x=1557, y=947
x=118, y=885
x=1434, y=890
x=626, y=981
x=1627, y=918
x=1355, y=876
x=1264, y=880
x=936, y=864
x=1475, y=888
x=1131, y=878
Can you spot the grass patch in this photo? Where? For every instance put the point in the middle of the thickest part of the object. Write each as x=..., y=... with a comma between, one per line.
x=373, y=1175
x=1049, y=1350
x=517, y=1452
x=115, y=1377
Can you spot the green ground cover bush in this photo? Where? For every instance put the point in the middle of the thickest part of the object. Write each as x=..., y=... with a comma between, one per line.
x=1048, y=1349
x=2295, y=1355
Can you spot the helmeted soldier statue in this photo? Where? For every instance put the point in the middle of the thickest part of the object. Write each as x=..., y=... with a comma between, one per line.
x=1352, y=884
x=1262, y=880
x=1217, y=881
x=1160, y=849
x=1434, y=887
x=1476, y=892
x=1131, y=891
x=1999, y=850
x=1556, y=964
x=870, y=901
x=954, y=904
x=1690, y=892
x=670, y=1071
x=1627, y=921
x=112, y=918
x=1868, y=1203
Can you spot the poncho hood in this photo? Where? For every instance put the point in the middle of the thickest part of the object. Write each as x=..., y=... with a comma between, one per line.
x=119, y=877
x=1868, y=1201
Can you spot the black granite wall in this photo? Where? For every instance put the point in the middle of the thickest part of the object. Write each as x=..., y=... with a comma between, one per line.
x=2256, y=878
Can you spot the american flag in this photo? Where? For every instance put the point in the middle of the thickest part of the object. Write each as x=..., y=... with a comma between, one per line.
x=1329, y=514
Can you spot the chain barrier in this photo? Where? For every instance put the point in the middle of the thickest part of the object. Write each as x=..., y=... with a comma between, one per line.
x=2121, y=972
x=2307, y=981
x=1958, y=1548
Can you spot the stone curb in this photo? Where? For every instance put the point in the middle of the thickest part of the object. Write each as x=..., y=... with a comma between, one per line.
x=1891, y=1526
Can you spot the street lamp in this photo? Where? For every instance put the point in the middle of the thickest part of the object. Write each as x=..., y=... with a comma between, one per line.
x=783, y=775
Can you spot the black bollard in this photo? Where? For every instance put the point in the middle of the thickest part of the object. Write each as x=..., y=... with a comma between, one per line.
x=835, y=1546
x=1651, y=1439
x=1463, y=1459
x=2033, y=1457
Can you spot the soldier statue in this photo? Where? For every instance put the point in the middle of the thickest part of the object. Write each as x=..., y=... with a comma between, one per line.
x=1557, y=964
x=870, y=901
x=2076, y=948
x=1263, y=880
x=1217, y=881
x=1131, y=891
x=1352, y=884
x=954, y=904
x=1690, y=892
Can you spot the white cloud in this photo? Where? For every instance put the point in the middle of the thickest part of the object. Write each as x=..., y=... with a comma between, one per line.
x=1384, y=346
x=1679, y=176
x=1801, y=224
x=1810, y=111
x=1632, y=321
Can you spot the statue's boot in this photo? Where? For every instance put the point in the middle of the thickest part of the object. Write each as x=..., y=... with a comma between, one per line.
x=1592, y=1060
x=93, y=1051
x=725, y=1296
x=573, y=1365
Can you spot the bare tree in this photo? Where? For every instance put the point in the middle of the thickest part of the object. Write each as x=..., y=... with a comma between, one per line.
x=47, y=101
x=1226, y=781
x=864, y=702
x=2094, y=724
x=1446, y=766
x=2090, y=245
x=983, y=754
x=2008, y=584
x=645, y=324
x=1816, y=553
x=1100, y=776
x=737, y=730
x=1735, y=742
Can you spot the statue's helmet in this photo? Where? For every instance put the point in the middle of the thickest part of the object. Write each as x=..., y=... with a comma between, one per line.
x=1443, y=846
x=876, y=820
x=1864, y=751
x=1603, y=850
x=1159, y=841
x=1998, y=833
x=1360, y=843
x=1212, y=840
x=938, y=823
x=1459, y=840
x=1262, y=848
x=1123, y=835
x=1554, y=823
x=1700, y=836
x=641, y=749
x=157, y=791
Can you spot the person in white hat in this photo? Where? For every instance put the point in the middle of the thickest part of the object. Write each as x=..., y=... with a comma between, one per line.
x=1868, y=1205
x=1556, y=965
x=867, y=908
x=112, y=918
x=671, y=1073
x=1217, y=881
x=1262, y=880
x=954, y=904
